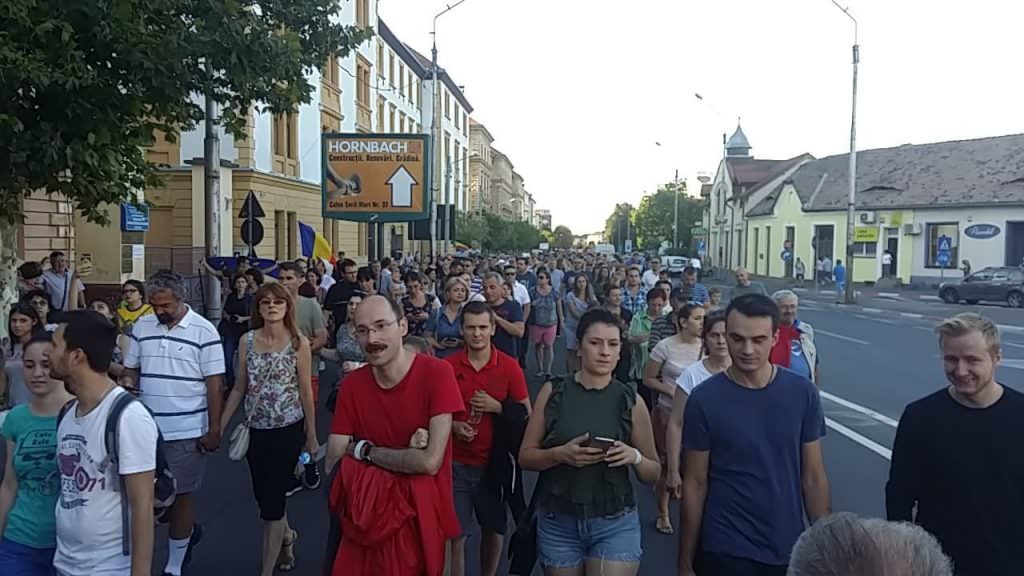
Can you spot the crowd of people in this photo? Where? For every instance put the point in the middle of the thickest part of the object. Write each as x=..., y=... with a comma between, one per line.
x=709, y=396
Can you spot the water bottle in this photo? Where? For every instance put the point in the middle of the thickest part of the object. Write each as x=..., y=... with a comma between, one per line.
x=475, y=416
x=304, y=458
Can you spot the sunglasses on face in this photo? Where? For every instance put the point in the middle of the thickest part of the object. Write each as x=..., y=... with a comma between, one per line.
x=273, y=302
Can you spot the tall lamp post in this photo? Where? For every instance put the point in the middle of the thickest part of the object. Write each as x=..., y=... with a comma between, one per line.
x=720, y=219
x=850, y=295
x=435, y=129
x=675, y=206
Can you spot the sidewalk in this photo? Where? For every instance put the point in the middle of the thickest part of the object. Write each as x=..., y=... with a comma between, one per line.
x=863, y=290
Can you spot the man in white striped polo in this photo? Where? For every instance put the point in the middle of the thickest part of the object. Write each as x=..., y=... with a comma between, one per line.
x=176, y=363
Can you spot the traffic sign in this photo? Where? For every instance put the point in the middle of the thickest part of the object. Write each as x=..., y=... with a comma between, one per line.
x=134, y=218
x=702, y=248
x=251, y=206
x=376, y=177
x=252, y=232
x=944, y=252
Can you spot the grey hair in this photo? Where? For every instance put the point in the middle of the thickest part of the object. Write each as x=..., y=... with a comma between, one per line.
x=843, y=544
x=166, y=280
x=780, y=295
x=494, y=276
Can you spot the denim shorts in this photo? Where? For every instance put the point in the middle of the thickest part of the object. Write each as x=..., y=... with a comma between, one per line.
x=566, y=541
x=20, y=560
x=474, y=501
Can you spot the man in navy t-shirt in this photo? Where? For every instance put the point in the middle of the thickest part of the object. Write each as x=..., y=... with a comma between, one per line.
x=508, y=315
x=753, y=455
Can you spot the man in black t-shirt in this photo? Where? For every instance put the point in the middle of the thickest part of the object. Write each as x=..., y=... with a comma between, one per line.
x=336, y=301
x=508, y=315
x=957, y=456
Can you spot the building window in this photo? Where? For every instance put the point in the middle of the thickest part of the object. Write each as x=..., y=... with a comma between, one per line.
x=458, y=117
x=409, y=83
x=401, y=79
x=447, y=105
x=937, y=233
x=401, y=122
x=865, y=249
x=391, y=118
x=416, y=93
x=286, y=135
x=465, y=124
x=391, y=68
x=362, y=13
x=363, y=83
x=331, y=71
x=380, y=59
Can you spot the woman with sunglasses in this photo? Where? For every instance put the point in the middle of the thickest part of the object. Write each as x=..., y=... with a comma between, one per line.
x=716, y=359
x=133, y=305
x=31, y=484
x=40, y=300
x=23, y=325
x=667, y=361
x=545, y=317
x=274, y=379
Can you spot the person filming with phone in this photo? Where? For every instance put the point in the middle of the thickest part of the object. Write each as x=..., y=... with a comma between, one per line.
x=585, y=433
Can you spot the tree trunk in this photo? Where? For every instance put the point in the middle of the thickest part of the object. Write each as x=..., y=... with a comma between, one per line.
x=9, y=263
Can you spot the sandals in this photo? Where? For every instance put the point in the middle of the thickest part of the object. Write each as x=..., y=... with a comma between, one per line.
x=286, y=558
x=664, y=525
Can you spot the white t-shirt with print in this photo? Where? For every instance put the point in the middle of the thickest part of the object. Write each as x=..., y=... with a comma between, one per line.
x=674, y=355
x=88, y=510
x=693, y=375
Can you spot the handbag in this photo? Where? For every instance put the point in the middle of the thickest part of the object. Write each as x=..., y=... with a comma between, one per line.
x=238, y=442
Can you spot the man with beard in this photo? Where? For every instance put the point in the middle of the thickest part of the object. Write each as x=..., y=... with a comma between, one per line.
x=93, y=534
x=956, y=466
x=391, y=432
x=176, y=363
x=339, y=294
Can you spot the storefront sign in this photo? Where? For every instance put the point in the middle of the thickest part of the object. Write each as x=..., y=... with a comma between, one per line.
x=865, y=234
x=982, y=231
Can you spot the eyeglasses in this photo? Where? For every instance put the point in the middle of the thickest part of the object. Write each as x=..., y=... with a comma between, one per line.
x=129, y=291
x=376, y=328
x=273, y=302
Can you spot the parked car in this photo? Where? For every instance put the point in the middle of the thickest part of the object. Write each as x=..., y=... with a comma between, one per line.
x=993, y=284
x=674, y=264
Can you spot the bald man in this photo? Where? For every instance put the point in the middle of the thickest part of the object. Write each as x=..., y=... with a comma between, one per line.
x=745, y=286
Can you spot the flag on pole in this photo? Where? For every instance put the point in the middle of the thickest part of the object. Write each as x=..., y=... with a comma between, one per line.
x=314, y=245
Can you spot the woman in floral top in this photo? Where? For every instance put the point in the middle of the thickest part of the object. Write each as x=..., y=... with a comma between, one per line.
x=274, y=379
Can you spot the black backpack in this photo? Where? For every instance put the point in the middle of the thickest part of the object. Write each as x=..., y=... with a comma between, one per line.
x=164, y=484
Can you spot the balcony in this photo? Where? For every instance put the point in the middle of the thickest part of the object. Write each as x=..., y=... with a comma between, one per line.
x=330, y=99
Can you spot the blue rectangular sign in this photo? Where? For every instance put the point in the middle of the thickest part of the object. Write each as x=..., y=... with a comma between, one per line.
x=134, y=218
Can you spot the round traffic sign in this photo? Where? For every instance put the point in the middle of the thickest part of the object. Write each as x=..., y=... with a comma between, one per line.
x=252, y=232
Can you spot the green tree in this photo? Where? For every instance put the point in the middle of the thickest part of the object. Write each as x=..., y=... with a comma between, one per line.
x=87, y=85
x=470, y=229
x=618, y=225
x=564, y=238
x=654, y=217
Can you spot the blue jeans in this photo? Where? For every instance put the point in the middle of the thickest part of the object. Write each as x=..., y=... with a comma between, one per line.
x=230, y=343
x=566, y=541
x=20, y=560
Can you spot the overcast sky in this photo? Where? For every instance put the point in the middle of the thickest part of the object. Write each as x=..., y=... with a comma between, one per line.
x=577, y=92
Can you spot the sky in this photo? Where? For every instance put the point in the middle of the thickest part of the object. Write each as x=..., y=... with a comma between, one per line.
x=577, y=92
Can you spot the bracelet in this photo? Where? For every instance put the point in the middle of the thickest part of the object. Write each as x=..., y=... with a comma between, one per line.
x=357, y=452
x=639, y=457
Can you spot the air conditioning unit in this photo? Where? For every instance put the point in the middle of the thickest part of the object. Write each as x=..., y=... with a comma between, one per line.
x=868, y=217
x=912, y=229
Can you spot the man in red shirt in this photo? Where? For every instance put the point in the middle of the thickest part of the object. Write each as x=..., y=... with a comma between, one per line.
x=393, y=491
x=487, y=377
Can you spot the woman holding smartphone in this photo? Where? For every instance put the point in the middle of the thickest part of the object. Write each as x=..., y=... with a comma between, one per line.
x=444, y=332
x=581, y=437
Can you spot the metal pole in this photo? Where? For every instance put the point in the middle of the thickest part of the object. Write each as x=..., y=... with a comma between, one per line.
x=211, y=185
x=850, y=294
x=675, y=213
x=435, y=130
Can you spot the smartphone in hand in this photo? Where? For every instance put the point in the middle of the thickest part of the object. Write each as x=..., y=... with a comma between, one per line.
x=602, y=443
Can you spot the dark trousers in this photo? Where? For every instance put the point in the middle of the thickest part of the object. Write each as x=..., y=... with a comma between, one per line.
x=725, y=565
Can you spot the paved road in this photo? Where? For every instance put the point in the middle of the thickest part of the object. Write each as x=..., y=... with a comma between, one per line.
x=873, y=364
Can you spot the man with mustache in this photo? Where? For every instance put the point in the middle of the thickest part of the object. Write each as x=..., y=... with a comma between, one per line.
x=393, y=495
x=176, y=363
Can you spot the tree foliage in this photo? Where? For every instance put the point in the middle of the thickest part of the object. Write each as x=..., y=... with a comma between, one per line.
x=564, y=238
x=617, y=227
x=86, y=85
x=654, y=217
x=489, y=233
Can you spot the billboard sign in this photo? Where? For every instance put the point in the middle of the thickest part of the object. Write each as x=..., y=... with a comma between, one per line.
x=376, y=177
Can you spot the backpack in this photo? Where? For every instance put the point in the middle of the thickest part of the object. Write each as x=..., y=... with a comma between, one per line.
x=164, y=484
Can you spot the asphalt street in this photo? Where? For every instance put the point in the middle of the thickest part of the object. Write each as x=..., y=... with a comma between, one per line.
x=875, y=358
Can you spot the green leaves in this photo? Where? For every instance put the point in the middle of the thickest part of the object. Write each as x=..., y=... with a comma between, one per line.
x=85, y=85
x=654, y=217
x=490, y=233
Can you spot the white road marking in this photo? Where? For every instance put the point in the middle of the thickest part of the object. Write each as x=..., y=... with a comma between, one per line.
x=841, y=337
x=910, y=315
x=1014, y=344
x=860, y=439
x=873, y=310
x=858, y=408
x=925, y=328
x=873, y=319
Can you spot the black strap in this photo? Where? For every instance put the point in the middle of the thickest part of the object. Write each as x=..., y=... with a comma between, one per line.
x=113, y=453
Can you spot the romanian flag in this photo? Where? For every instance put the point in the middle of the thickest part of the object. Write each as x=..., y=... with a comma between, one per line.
x=314, y=245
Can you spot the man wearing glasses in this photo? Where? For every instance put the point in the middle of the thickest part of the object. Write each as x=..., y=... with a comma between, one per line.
x=391, y=431
x=521, y=294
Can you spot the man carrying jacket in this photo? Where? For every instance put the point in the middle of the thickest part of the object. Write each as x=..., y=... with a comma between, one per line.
x=487, y=378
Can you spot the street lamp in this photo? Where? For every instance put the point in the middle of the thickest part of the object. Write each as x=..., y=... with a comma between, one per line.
x=435, y=128
x=850, y=294
x=720, y=219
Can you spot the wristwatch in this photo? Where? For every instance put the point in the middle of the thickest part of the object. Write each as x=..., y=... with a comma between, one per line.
x=366, y=453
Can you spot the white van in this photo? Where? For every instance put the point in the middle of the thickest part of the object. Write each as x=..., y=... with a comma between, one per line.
x=674, y=264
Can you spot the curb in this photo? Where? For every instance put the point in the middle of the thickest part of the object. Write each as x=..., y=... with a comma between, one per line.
x=1010, y=329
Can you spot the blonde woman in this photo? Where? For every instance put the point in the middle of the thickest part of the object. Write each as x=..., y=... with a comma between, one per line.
x=444, y=331
x=274, y=379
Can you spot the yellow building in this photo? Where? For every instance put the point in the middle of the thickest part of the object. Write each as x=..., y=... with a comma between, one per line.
x=929, y=206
